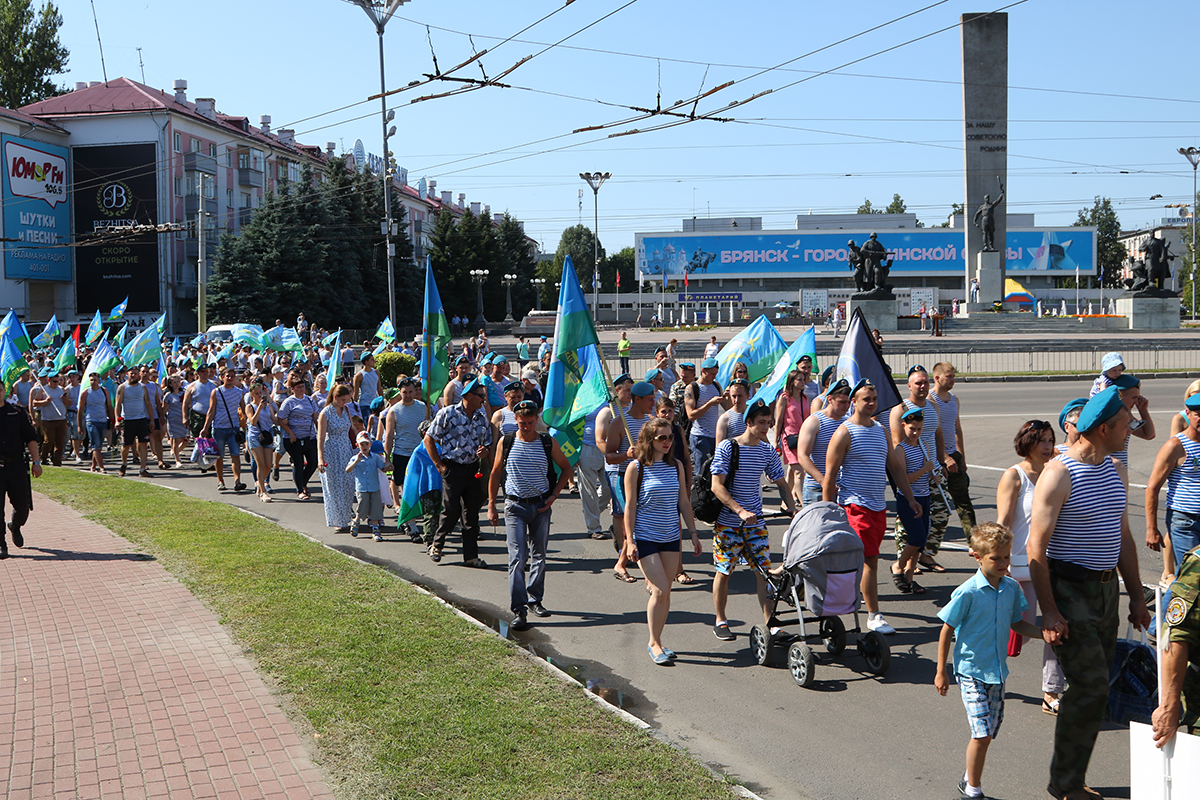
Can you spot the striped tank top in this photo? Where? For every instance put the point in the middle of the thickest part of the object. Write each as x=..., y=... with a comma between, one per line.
x=635, y=427
x=947, y=411
x=864, y=470
x=1123, y=454
x=526, y=468
x=1088, y=530
x=929, y=429
x=508, y=421
x=736, y=423
x=821, y=447
x=1183, y=482
x=657, y=517
x=914, y=459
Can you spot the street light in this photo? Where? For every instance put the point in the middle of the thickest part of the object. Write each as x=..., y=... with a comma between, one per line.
x=380, y=13
x=479, y=276
x=508, y=280
x=537, y=287
x=595, y=180
x=1192, y=154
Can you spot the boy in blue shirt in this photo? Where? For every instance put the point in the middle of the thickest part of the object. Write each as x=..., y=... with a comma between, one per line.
x=366, y=466
x=979, y=616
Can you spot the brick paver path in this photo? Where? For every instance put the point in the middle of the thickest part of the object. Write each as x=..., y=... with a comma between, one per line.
x=116, y=682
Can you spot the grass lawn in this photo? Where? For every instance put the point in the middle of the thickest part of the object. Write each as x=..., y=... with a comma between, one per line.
x=405, y=698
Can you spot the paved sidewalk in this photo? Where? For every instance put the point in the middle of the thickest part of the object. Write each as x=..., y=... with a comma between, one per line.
x=115, y=682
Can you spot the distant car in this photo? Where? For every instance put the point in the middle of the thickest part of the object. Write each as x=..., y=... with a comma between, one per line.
x=219, y=333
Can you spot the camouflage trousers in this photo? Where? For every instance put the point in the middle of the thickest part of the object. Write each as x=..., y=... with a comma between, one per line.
x=431, y=513
x=958, y=487
x=1091, y=609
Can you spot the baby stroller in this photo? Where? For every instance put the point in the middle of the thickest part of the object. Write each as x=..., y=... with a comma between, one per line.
x=822, y=568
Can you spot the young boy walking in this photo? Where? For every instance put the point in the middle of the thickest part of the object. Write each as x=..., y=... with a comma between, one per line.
x=979, y=615
x=365, y=466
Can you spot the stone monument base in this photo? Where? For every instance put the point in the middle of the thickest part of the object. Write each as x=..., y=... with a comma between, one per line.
x=879, y=314
x=1149, y=313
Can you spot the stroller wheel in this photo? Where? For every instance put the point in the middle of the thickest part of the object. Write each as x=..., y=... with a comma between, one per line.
x=874, y=650
x=801, y=664
x=833, y=634
x=762, y=645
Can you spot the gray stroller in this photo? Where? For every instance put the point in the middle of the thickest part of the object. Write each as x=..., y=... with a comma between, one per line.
x=823, y=563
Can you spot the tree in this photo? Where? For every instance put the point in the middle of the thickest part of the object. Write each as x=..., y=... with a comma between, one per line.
x=867, y=208
x=622, y=261
x=955, y=210
x=1110, y=253
x=897, y=205
x=579, y=243
x=30, y=51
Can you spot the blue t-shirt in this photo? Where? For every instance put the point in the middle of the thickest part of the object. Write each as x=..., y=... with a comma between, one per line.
x=747, y=484
x=366, y=471
x=982, y=618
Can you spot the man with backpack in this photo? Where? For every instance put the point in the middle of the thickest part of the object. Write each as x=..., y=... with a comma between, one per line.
x=526, y=463
x=704, y=402
x=740, y=531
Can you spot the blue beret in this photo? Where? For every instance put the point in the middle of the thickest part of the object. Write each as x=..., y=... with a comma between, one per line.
x=859, y=385
x=460, y=360
x=841, y=385
x=662, y=348
x=1099, y=409
x=487, y=359
x=499, y=359
x=622, y=378
x=1126, y=381
x=643, y=389
x=1078, y=402
x=472, y=386
x=653, y=373
x=1193, y=402
x=688, y=364
x=508, y=387
x=915, y=411
x=377, y=404
x=828, y=373
x=709, y=363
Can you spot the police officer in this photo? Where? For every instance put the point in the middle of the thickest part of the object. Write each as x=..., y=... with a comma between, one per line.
x=1181, y=663
x=16, y=436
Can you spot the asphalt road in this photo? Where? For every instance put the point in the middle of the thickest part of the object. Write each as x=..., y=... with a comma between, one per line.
x=852, y=734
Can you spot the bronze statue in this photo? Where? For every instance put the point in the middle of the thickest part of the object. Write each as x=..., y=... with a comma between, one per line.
x=985, y=218
x=1140, y=279
x=1159, y=256
x=855, y=261
x=871, y=265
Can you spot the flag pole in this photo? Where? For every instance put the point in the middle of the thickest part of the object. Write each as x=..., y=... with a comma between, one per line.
x=612, y=405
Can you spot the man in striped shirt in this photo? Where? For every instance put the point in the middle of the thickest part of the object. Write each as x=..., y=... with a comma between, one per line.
x=1079, y=537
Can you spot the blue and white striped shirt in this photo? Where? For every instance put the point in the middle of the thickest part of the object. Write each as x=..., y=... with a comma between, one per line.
x=508, y=421
x=635, y=427
x=747, y=482
x=914, y=459
x=929, y=429
x=821, y=447
x=526, y=469
x=1183, y=482
x=863, y=476
x=657, y=517
x=1088, y=530
x=947, y=411
x=735, y=423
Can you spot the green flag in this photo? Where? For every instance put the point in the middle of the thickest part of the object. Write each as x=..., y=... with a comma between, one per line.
x=66, y=356
x=434, y=369
x=12, y=363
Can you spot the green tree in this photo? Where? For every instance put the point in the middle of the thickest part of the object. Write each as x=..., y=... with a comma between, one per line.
x=955, y=209
x=517, y=254
x=579, y=243
x=1185, y=269
x=897, y=205
x=30, y=51
x=623, y=262
x=867, y=208
x=1110, y=253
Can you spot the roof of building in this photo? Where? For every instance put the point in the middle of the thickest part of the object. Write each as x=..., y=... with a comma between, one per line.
x=26, y=119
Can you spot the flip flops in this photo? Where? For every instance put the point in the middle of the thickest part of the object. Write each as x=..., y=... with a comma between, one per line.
x=931, y=566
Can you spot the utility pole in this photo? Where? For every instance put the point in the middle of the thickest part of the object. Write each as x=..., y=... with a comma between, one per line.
x=596, y=180
x=201, y=266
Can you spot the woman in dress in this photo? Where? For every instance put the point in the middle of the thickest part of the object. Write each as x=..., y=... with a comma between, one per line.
x=792, y=407
x=333, y=454
x=656, y=479
x=260, y=419
x=1034, y=442
x=177, y=430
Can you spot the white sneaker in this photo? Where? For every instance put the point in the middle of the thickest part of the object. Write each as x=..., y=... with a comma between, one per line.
x=877, y=623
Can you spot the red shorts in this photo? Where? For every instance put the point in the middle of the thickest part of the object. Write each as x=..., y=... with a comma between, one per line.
x=869, y=525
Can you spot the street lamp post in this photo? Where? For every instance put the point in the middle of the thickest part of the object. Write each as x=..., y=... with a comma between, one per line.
x=508, y=280
x=1192, y=154
x=595, y=180
x=537, y=287
x=380, y=13
x=479, y=276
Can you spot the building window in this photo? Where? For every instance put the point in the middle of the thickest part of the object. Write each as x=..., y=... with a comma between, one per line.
x=245, y=200
x=229, y=198
x=178, y=186
x=181, y=233
x=293, y=171
x=177, y=140
x=212, y=150
x=195, y=145
x=178, y=272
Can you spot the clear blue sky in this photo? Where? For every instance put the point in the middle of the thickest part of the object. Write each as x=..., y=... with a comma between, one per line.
x=1100, y=99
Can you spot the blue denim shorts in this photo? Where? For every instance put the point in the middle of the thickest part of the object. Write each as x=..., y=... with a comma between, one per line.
x=227, y=438
x=616, y=485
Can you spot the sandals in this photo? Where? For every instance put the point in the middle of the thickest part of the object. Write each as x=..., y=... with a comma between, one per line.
x=915, y=588
x=624, y=576
x=931, y=566
x=903, y=585
x=684, y=578
x=1050, y=707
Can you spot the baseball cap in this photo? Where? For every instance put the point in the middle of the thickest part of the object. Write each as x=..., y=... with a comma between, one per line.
x=529, y=375
x=363, y=437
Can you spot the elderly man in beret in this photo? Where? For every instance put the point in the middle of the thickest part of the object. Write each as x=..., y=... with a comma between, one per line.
x=1079, y=541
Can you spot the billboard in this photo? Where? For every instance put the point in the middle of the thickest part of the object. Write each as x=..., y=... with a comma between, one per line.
x=36, y=211
x=116, y=186
x=823, y=253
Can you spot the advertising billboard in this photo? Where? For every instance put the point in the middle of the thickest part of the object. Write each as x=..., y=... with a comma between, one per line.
x=116, y=186
x=919, y=251
x=36, y=211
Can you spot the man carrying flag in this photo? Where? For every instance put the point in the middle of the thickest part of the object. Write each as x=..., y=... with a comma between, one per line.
x=17, y=437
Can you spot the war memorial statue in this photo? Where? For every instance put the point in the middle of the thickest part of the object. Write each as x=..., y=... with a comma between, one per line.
x=985, y=218
x=870, y=264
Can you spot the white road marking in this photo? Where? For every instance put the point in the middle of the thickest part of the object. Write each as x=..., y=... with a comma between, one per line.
x=1004, y=469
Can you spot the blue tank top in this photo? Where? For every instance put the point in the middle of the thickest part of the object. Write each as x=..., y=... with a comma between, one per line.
x=635, y=427
x=1183, y=482
x=1088, y=530
x=821, y=447
x=368, y=387
x=657, y=517
x=526, y=469
x=133, y=402
x=736, y=423
x=864, y=470
x=508, y=421
x=914, y=459
x=947, y=411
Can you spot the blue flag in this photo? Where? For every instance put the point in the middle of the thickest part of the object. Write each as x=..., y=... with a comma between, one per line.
x=175, y=347
x=283, y=339
x=333, y=363
x=806, y=345
x=382, y=346
x=146, y=348
x=104, y=358
x=226, y=352
x=860, y=358
x=386, y=331
x=118, y=311
x=161, y=366
x=46, y=337
x=248, y=334
x=12, y=363
x=119, y=339
x=95, y=329
x=759, y=346
x=160, y=324
x=434, y=369
x=197, y=340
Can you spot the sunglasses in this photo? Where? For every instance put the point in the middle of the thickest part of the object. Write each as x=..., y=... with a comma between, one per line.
x=664, y=437
x=480, y=395
x=1038, y=424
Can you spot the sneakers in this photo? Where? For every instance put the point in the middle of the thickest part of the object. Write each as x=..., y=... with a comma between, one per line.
x=964, y=792
x=375, y=534
x=239, y=487
x=435, y=553
x=722, y=632
x=221, y=487
x=877, y=623
x=354, y=530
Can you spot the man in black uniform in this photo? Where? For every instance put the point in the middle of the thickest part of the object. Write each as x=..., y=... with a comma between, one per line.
x=16, y=436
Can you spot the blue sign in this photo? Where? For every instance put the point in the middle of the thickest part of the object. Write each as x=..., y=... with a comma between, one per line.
x=36, y=212
x=920, y=251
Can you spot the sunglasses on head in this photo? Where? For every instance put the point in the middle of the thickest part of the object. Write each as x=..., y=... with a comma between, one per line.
x=1038, y=424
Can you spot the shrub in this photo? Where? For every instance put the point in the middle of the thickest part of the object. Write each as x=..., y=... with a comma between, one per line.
x=391, y=366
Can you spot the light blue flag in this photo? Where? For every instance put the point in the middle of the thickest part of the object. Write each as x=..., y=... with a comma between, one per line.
x=12, y=363
x=146, y=348
x=94, y=330
x=161, y=366
x=806, y=345
x=104, y=358
x=226, y=352
x=759, y=346
x=249, y=334
x=331, y=336
x=197, y=340
x=860, y=358
x=13, y=327
x=334, y=362
x=46, y=337
x=382, y=346
x=160, y=324
x=283, y=339
x=119, y=339
x=175, y=347
x=386, y=331
x=118, y=311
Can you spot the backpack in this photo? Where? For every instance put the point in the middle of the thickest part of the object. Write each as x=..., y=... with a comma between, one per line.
x=705, y=504
x=551, y=471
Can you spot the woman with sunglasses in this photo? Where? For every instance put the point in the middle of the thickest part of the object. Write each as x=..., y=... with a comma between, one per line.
x=654, y=484
x=1034, y=443
x=792, y=407
x=665, y=409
